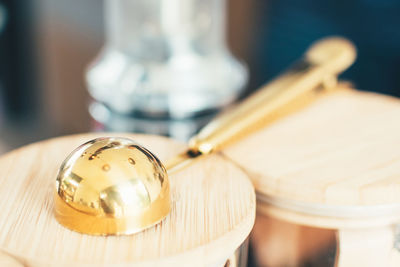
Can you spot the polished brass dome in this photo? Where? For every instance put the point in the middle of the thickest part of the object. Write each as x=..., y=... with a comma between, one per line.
x=111, y=186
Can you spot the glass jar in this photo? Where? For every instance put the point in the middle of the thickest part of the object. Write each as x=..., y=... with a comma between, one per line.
x=164, y=59
x=327, y=183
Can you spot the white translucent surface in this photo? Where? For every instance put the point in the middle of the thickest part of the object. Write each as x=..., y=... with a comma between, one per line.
x=165, y=57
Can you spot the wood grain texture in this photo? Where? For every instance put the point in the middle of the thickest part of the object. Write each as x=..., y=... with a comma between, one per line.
x=344, y=149
x=213, y=212
x=327, y=222
x=341, y=152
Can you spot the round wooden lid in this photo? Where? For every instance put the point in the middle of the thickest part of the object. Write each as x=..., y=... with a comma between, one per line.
x=213, y=212
x=342, y=151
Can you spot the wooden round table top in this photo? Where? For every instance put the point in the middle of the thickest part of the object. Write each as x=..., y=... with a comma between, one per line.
x=212, y=213
x=342, y=151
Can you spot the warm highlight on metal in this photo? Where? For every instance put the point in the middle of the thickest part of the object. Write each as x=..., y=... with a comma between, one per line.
x=111, y=186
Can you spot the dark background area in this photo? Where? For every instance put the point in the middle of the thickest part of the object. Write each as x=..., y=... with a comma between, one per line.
x=46, y=45
x=290, y=27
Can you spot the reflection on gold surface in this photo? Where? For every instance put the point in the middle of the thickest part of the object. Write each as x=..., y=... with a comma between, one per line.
x=111, y=186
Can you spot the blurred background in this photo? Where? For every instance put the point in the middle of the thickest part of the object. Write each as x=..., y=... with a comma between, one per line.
x=46, y=47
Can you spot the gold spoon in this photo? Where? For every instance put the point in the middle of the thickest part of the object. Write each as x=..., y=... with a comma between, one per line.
x=113, y=186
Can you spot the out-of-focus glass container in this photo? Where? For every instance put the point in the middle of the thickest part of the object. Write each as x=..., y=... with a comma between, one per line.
x=164, y=59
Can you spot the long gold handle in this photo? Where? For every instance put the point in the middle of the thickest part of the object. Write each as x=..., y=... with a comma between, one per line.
x=322, y=62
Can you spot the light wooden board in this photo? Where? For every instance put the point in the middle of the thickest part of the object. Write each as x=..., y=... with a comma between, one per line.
x=213, y=212
x=343, y=150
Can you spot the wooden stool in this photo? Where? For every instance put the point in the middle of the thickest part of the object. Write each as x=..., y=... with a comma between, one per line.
x=212, y=215
x=334, y=165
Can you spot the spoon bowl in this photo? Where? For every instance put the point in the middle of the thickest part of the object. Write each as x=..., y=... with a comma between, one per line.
x=111, y=186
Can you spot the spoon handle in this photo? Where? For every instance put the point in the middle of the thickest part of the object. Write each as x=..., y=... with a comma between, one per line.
x=298, y=86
